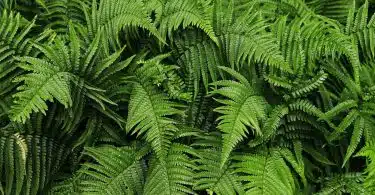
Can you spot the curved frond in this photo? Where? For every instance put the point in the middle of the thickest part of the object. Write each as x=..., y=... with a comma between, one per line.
x=115, y=15
x=157, y=125
x=177, y=13
x=243, y=108
x=265, y=174
x=211, y=177
x=172, y=176
x=118, y=170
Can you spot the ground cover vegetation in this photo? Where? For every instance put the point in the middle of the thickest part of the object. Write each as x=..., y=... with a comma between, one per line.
x=170, y=97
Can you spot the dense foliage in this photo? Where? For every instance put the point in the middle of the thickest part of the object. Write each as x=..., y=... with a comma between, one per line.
x=271, y=97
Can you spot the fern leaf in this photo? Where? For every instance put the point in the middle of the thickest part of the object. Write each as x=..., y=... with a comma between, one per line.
x=178, y=13
x=199, y=57
x=265, y=174
x=345, y=123
x=369, y=152
x=211, y=177
x=174, y=176
x=118, y=171
x=45, y=83
x=343, y=183
x=157, y=125
x=30, y=161
x=243, y=108
x=359, y=125
x=342, y=106
x=270, y=125
x=115, y=15
x=310, y=85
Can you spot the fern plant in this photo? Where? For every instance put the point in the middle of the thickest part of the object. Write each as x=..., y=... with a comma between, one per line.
x=187, y=97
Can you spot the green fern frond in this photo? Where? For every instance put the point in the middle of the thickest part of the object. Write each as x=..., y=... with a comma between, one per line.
x=265, y=174
x=157, y=125
x=44, y=84
x=51, y=77
x=177, y=13
x=199, y=57
x=16, y=40
x=118, y=170
x=30, y=161
x=271, y=125
x=345, y=123
x=68, y=186
x=59, y=13
x=359, y=126
x=369, y=152
x=243, y=108
x=211, y=177
x=166, y=76
x=279, y=81
x=306, y=106
x=310, y=85
x=115, y=15
x=341, y=107
x=343, y=183
x=295, y=159
x=174, y=175
x=336, y=9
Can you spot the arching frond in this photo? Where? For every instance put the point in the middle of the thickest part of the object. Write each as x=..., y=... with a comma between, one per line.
x=59, y=13
x=177, y=13
x=243, y=108
x=211, y=177
x=117, y=171
x=157, y=126
x=172, y=176
x=369, y=152
x=51, y=77
x=115, y=15
x=16, y=41
x=199, y=58
x=46, y=83
x=246, y=40
x=265, y=174
x=30, y=158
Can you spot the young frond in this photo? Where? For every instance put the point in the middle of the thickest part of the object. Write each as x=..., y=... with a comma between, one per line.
x=244, y=108
x=166, y=76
